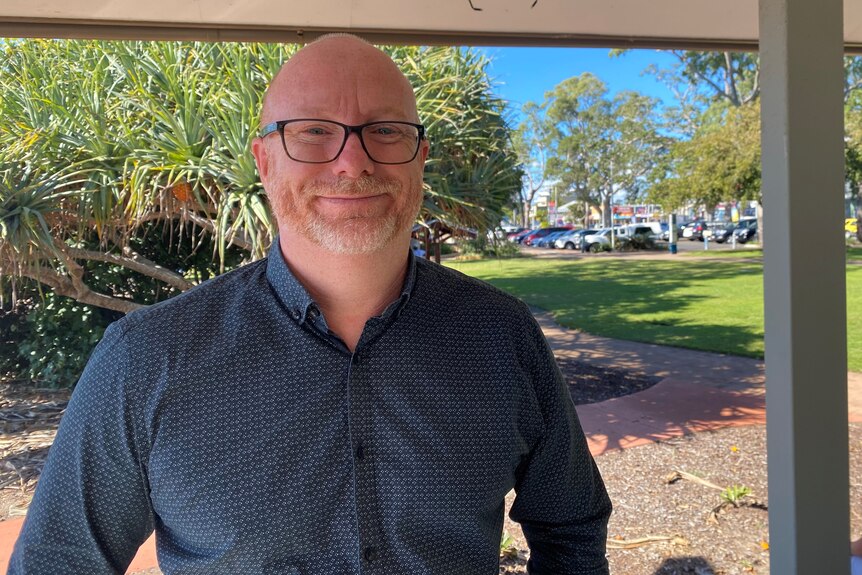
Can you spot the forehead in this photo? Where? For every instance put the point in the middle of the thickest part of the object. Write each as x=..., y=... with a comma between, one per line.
x=341, y=81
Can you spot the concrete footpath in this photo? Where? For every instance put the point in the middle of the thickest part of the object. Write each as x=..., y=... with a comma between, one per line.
x=698, y=391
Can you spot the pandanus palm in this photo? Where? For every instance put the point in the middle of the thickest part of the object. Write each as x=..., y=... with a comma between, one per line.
x=103, y=140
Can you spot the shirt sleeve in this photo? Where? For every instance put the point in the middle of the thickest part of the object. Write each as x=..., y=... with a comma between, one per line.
x=91, y=510
x=561, y=501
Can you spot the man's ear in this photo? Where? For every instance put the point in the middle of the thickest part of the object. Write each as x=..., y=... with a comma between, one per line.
x=424, y=148
x=261, y=158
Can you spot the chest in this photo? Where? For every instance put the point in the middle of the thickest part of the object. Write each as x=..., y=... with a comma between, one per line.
x=321, y=437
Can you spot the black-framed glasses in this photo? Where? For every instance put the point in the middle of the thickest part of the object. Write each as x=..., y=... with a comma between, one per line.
x=315, y=141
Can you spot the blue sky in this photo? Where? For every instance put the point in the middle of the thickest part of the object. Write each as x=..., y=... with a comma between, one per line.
x=525, y=74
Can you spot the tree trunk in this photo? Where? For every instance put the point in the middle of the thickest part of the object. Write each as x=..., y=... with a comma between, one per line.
x=607, y=216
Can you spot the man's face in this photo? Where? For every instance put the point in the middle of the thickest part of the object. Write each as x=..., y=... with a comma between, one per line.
x=351, y=205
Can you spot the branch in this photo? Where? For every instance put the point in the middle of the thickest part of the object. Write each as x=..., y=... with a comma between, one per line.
x=78, y=291
x=135, y=262
x=731, y=81
x=703, y=77
x=755, y=90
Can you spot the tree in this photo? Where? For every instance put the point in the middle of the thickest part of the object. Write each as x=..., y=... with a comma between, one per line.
x=107, y=148
x=598, y=145
x=472, y=170
x=721, y=162
x=530, y=143
x=718, y=117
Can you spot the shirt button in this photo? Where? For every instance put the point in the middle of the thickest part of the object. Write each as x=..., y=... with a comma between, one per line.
x=370, y=554
x=313, y=313
x=296, y=314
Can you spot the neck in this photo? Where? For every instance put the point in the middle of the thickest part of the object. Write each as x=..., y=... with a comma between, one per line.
x=350, y=289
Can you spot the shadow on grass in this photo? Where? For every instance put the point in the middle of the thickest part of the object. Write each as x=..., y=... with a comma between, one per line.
x=648, y=301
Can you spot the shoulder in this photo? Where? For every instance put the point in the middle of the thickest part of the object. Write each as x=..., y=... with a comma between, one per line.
x=202, y=305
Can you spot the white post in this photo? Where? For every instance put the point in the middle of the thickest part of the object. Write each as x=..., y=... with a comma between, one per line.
x=801, y=48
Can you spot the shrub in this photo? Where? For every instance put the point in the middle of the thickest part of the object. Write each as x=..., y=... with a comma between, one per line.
x=483, y=247
x=13, y=328
x=59, y=337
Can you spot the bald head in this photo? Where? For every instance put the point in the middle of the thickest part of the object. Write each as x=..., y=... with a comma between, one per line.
x=339, y=73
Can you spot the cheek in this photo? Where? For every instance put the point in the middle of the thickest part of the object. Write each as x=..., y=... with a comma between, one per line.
x=416, y=191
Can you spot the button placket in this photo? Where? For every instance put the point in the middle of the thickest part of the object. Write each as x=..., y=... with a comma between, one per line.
x=362, y=431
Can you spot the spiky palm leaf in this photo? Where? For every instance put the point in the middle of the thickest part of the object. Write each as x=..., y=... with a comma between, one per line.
x=160, y=132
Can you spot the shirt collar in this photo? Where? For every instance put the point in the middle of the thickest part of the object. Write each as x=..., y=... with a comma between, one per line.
x=296, y=298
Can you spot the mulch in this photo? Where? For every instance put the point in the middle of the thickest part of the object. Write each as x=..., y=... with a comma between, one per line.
x=592, y=384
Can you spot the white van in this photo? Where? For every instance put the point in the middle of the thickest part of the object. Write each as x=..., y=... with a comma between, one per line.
x=644, y=228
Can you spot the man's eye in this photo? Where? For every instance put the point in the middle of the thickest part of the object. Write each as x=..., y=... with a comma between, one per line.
x=316, y=131
x=388, y=131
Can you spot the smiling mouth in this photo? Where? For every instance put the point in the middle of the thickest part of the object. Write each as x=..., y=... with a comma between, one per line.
x=351, y=198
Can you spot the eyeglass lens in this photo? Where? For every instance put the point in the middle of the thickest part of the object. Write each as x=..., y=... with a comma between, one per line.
x=321, y=141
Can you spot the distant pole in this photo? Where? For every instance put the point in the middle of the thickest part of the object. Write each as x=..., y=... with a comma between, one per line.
x=671, y=224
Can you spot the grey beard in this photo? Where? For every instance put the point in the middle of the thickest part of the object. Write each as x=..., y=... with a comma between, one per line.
x=358, y=235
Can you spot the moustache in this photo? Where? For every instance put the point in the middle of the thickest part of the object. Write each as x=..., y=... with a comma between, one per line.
x=362, y=186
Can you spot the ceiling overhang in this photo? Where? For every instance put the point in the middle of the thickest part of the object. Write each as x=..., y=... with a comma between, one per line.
x=723, y=24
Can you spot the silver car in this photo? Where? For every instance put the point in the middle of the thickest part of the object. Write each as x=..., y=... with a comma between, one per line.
x=572, y=240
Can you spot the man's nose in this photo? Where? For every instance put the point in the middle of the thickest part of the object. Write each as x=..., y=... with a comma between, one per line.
x=353, y=160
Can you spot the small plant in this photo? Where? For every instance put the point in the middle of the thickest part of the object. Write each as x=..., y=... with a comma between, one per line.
x=507, y=546
x=735, y=494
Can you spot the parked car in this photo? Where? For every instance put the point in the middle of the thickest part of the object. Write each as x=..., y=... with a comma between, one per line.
x=723, y=233
x=540, y=233
x=694, y=230
x=745, y=230
x=517, y=231
x=548, y=240
x=571, y=240
x=519, y=237
x=601, y=240
x=640, y=235
x=712, y=230
x=665, y=232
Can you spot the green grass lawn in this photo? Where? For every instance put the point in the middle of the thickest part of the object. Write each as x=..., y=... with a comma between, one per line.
x=737, y=253
x=712, y=306
x=853, y=253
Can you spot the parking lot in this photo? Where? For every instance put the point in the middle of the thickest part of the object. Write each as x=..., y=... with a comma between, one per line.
x=682, y=246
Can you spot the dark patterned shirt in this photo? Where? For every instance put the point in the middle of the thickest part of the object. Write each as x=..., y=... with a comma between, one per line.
x=234, y=423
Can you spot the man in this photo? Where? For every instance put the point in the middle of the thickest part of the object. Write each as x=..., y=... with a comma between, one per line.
x=338, y=408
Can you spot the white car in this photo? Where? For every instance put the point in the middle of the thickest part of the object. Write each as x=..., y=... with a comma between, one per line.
x=602, y=240
x=599, y=241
